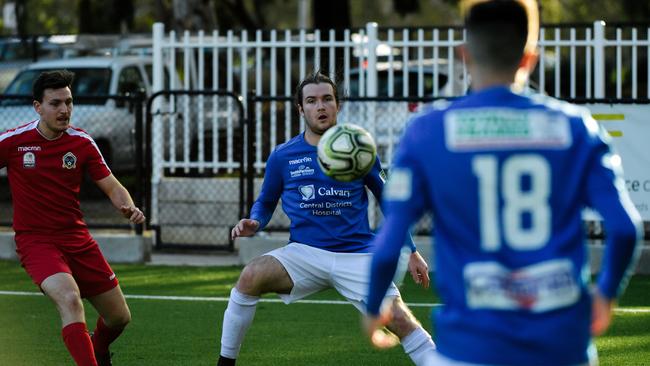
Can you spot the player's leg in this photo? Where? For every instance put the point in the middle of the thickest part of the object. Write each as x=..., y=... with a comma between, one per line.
x=45, y=263
x=97, y=283
x=416, y=341
x=114, y=315
x=262, y=275
x=351, y=279
x=62, y=289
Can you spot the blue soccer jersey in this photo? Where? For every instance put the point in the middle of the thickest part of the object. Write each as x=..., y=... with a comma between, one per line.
x=324, y=212
x=507, y=177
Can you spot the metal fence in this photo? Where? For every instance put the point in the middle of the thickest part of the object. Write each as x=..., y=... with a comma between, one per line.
x=196, y=149
x=115, y=123
x=577, y=61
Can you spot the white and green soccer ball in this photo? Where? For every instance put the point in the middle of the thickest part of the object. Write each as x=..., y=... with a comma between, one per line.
x=346, y=152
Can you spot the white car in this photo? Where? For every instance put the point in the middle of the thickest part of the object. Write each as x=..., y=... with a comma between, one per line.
x=386, y=119
x=109, y=121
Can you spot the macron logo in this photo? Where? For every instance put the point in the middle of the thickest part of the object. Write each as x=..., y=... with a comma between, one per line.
x=29, y=148
x=306, y=159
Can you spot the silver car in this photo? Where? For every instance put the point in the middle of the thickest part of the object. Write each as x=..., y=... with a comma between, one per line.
x=110, y=121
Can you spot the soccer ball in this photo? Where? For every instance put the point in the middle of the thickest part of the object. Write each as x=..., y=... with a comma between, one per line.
x=346, y=152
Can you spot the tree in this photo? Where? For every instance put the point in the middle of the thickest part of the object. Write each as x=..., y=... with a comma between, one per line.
x=193, y=15
x=94, y=17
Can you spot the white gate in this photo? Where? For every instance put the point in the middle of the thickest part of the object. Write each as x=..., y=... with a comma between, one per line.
x=598, y=62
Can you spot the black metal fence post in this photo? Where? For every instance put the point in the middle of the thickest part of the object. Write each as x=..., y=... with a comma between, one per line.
x=250, y=156
x=139, y=166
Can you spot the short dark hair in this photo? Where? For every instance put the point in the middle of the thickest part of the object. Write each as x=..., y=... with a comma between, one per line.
x=315, y=78
x=55, y=79
x=497, y=31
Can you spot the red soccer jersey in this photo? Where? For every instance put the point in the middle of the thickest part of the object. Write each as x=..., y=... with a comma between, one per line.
x=45, y=177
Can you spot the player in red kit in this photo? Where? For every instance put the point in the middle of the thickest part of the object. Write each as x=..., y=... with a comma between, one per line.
x=46, y=161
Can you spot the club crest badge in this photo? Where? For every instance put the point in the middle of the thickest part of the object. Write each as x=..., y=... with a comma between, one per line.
x=29, y=160
x=307, y=192
x=69, y=161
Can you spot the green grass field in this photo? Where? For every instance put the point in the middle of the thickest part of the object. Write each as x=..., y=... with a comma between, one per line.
x=186, y=332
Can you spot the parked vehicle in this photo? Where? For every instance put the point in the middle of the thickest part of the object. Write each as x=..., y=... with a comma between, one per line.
x=386, y=119
x=109, y=121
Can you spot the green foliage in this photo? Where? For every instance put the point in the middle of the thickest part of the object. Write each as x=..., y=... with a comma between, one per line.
x=51, y=16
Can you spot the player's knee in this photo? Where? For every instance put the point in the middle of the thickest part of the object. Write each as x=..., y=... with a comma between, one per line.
x=122, y=319
x=248, y=282
x=70, y=302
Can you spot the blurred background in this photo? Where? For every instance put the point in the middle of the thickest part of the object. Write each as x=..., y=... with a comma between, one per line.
x=227, y=73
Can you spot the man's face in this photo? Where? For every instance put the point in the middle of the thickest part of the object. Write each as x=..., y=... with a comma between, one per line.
x=319, y=107
x=55, y=109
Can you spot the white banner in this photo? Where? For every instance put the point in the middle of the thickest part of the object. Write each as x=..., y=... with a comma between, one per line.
x=629, y=126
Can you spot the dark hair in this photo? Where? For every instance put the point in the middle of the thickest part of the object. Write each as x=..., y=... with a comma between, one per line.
x=56, y=79
x=316, y=78
x=497, y=31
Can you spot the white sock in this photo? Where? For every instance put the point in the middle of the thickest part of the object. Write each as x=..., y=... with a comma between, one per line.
x=236, y=320
x=419, y=346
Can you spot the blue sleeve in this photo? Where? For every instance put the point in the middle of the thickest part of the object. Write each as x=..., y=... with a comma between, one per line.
x=272, y=186
x=606, y=193
x=402, y=205
x=375, y=181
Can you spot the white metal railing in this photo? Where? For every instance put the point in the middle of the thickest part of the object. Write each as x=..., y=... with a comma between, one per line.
x=575, y=62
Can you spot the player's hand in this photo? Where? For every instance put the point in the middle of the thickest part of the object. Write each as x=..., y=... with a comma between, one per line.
x=419, y=269
x=245, y=227
x=133, y=214
x=601, y=313
x=374, y=326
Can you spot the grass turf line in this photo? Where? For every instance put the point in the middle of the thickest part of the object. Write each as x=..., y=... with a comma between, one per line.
x=187, y=333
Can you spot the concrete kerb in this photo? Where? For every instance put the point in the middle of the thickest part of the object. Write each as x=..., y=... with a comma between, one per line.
x=118, y=246
x=252, y=247
x=126, y=247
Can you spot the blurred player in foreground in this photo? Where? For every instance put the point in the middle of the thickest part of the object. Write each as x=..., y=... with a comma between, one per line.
x=46, y=161
x=329, y=236
x=511, y=176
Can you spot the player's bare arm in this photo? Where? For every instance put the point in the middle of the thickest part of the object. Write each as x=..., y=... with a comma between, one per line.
x=601, y=313
x=121, y=199
x=245, y=227
x=419, y=269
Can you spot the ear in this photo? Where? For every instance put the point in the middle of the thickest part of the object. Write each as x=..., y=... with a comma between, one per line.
x=300, y=111
x=463, y=54
x=528, y=61
x=37, y=106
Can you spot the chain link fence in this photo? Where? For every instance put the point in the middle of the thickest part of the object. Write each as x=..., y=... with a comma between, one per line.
x=196, y=149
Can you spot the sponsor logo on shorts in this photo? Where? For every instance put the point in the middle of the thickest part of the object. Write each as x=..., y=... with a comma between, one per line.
x=69, y=161
x=111, y=277
x=29, y=160
x=540, y=287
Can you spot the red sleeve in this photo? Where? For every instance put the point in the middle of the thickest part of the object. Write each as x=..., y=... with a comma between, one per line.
x=4, y=150
x=96, y=165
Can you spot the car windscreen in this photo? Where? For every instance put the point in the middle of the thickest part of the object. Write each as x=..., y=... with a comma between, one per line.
x=398, y=83
x=88, y=82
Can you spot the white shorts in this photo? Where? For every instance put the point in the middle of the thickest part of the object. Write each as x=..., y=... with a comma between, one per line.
x=313, y=270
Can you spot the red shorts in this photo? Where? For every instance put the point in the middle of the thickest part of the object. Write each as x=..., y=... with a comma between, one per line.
x=78, y=254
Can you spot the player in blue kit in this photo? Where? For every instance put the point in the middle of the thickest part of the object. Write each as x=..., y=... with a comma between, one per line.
x=511, y=176
x=329, y=243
